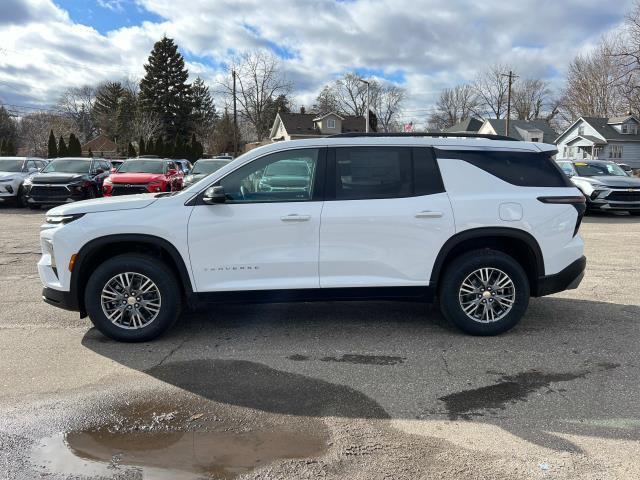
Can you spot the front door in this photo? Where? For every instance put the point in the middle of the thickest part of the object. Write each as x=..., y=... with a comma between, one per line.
x=266, y=235
x=387, y=219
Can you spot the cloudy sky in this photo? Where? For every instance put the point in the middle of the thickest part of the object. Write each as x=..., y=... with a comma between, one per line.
x=422, y=45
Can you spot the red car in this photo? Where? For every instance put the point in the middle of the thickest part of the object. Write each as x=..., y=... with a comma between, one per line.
x=144, y=175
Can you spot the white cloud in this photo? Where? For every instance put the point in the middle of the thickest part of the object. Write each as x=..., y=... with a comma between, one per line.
x=427, y=45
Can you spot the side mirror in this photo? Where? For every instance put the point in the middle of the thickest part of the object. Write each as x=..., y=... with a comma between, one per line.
x=113, y=170
x=172, y=171
x=213, y=195
x=33, y=170
x=99, y=171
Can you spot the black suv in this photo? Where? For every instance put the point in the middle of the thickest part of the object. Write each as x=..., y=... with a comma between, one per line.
x=66, y=180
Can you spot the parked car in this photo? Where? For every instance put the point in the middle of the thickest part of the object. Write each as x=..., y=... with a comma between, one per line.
x=202, y=168
x=146, y=175
x=480, y=224
x=605, y=185
x=627, y=168
x=13, y=172
x=184, y=165
x=287, y=175
x=115, y=164
x=66, y=180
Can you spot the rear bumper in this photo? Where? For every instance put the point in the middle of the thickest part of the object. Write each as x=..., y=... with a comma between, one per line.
x=60, y=299
x=567, y=279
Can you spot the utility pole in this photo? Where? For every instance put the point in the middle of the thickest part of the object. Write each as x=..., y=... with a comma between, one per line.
x=235, y=117
x=511, y=77
x=367, y=112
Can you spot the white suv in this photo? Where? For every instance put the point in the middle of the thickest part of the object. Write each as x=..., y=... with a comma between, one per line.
x=13, y=172
x=479, y=223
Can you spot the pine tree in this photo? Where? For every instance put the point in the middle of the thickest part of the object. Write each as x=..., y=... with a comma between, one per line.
x=3, y=148
x=150, y=147
x=178, y=148
x=131, y=152
x=106, y=105
x=204, y=111
x=74, y=149
x=141, y=147
x=160, y=149
x=62, y=148
x=11, y=150
x=52, y=147
x=164, y=90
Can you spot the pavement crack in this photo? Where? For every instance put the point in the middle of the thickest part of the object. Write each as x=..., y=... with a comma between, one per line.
x=444, y=361
x=171, y=352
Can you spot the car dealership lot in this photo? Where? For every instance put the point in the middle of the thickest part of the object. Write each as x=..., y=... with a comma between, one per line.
x=326, y=390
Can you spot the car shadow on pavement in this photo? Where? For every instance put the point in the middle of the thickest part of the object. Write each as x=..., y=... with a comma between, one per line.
x=605, y=217
x=570, y=368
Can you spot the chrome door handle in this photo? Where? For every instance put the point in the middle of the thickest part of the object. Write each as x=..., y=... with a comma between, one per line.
x=428, y=214
x=294, y=217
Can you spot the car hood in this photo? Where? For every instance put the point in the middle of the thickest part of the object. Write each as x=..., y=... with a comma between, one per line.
x=10, y=174
x=57, y=177
x=614, y=181
x=105, y=204
x=134, y=177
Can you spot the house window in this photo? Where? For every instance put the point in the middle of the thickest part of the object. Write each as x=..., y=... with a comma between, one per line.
x=535, y=139
x=625, y=128
x=581, y=130
x=331, y=123
x=615, y=151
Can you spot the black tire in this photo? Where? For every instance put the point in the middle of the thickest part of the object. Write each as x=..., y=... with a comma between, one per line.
x=153, y=269
x=465, y=265
x=34, y=207
x=20, y=201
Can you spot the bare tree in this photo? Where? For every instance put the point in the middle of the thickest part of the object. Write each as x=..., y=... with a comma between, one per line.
x=492, y=89
x=590, y=86
x=454, y=105
x=351, y=94
x=624, y=51
x=532, y=100
x=326, y=101
x=33, y=131
x=259, y=79
x=145, y=124
x=386, y=106
x=77, y=104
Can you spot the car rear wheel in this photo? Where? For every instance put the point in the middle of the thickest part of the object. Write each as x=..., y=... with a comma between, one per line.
x=133, y=298
x=484, y=292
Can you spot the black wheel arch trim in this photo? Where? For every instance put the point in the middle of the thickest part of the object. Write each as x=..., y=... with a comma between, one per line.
x=91, y=247
x=483, y=232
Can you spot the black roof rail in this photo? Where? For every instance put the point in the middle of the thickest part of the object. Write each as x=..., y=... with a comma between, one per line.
x=424, y=134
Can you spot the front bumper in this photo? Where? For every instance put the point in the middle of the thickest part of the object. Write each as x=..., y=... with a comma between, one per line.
x=55, y=195
x=567, y=279
x=60, y=299
x=615, y=199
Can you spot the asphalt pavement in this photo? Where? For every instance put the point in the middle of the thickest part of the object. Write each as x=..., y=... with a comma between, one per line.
x=360, y=390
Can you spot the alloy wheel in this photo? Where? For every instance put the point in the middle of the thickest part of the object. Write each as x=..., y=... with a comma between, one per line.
x=487, y=295
x=131, y=300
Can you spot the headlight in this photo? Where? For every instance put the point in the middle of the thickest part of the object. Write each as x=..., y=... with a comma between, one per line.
x=27, y=182
x=62, y=219
x=188, y=179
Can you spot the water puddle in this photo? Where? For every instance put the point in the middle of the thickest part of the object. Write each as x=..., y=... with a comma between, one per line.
x=146, y=442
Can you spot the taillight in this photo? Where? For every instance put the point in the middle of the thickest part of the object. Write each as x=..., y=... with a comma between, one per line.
x=578, y=202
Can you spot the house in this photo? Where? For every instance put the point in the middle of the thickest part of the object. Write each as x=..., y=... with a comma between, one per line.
x=615, y=138
x=468, y=125
x=292, y=126
x=101, y=146
x=524, y=130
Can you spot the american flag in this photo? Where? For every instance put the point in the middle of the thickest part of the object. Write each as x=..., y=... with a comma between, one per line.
x=408, y=127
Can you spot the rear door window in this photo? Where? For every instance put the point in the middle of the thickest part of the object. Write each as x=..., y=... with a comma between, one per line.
x=372, y=172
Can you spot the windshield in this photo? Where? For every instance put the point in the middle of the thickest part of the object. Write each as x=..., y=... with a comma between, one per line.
x=288, y=169
x=63, y=165
x=10, y=165
x=567, y=168
x=598, y=169
x=141, y=166
x=208, y=167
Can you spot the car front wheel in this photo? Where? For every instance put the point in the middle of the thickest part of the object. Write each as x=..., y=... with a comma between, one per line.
x=133, y=298
x=484, y=292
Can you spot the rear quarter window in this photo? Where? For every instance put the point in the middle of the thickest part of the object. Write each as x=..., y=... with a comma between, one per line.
x=525, y=169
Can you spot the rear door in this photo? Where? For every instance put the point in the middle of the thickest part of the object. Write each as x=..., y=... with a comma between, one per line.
x=385, y=217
